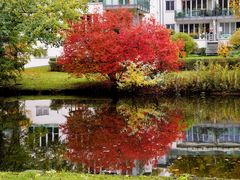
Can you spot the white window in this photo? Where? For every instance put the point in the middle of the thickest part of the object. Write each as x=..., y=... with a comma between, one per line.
x=170, y=5
x=227, y=28
x=42, y=110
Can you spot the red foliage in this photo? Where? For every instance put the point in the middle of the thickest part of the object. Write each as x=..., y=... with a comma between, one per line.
x=103, y=42
x=181, y=45
x=102, y=139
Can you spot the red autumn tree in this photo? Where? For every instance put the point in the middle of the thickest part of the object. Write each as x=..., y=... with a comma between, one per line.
x=101, y=43
x=103, y=139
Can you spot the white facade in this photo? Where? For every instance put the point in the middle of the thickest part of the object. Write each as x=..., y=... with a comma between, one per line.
x=204, y=20
x=95, y=7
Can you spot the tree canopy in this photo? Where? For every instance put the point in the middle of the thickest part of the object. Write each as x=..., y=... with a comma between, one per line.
x=23, y=23
x=103, y=43
x=235, y=5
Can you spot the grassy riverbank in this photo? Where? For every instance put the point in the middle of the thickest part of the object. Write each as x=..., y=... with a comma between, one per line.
x=213, y=78
x=41, y=78
x=67, y=176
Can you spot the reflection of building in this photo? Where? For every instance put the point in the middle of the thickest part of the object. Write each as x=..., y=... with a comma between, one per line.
x=48, y=116
x=205, y=140
x=201, y=139
x=51, y=135
x=42, y=110
x=212, y=136
x=44, y=118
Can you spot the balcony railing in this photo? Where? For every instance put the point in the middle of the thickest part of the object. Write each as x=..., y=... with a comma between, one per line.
x=116, y=6
x=142, y=5
x=121, y=3
x=202, y=13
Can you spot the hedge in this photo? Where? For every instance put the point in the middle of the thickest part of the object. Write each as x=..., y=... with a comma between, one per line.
x=189, y=64
x=53, y=65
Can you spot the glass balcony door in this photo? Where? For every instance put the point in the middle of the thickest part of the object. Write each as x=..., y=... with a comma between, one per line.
x=196, y=7
x=223, y=7
x=197, y=31
x=119, y=2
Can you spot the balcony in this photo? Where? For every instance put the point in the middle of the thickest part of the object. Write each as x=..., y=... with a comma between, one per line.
x=141, y=5
x=202, y=14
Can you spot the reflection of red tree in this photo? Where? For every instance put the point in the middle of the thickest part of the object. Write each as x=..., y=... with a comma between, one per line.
x=101, y=138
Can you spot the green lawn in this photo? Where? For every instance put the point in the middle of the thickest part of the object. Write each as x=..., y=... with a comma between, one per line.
x=69, y=176
x=40, y=78
x=194, y=56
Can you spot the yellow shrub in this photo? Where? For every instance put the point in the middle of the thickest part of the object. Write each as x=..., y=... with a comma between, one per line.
x=223, y=50
x=137, y=75
x=235, y=40
x=137, y=115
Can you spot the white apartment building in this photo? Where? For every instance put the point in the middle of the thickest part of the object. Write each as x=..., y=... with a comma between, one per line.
x=207, y=21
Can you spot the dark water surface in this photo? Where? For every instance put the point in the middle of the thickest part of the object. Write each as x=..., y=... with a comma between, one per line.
x=167, y=137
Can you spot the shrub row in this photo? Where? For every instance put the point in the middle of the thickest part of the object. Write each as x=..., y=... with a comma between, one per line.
x=190, y=64
x=211, y=78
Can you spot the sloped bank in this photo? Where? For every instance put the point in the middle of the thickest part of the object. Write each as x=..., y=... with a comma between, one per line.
x=101, y=90
x=35, y=174
x=213, y=79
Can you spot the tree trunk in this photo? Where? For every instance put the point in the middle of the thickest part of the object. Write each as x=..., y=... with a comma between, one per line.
x=114, y=90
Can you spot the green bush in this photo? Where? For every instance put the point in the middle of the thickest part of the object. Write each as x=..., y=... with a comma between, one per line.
x=190, y=44
x=234, y=53
x=189, y=63
x=54, y=66
x=194, y=35
x=201, y=51
x=235, y=40
x=9, y=71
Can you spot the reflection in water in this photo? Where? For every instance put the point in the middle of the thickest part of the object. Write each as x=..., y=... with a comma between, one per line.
x=13, y=155
x=103, y=139
x=131, y=136
x=213, y=166
x=216, y=134
x=22, y=145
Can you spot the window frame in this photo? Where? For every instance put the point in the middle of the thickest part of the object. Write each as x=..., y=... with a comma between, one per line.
x=170, y=5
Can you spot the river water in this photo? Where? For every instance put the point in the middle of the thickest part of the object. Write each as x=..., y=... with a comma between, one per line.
x=142, y=136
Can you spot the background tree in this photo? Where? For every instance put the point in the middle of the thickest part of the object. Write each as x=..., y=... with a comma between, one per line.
x=104, y=42
x=235, y=40
x=189, y=44
x=23, y=23
x=235, y=5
